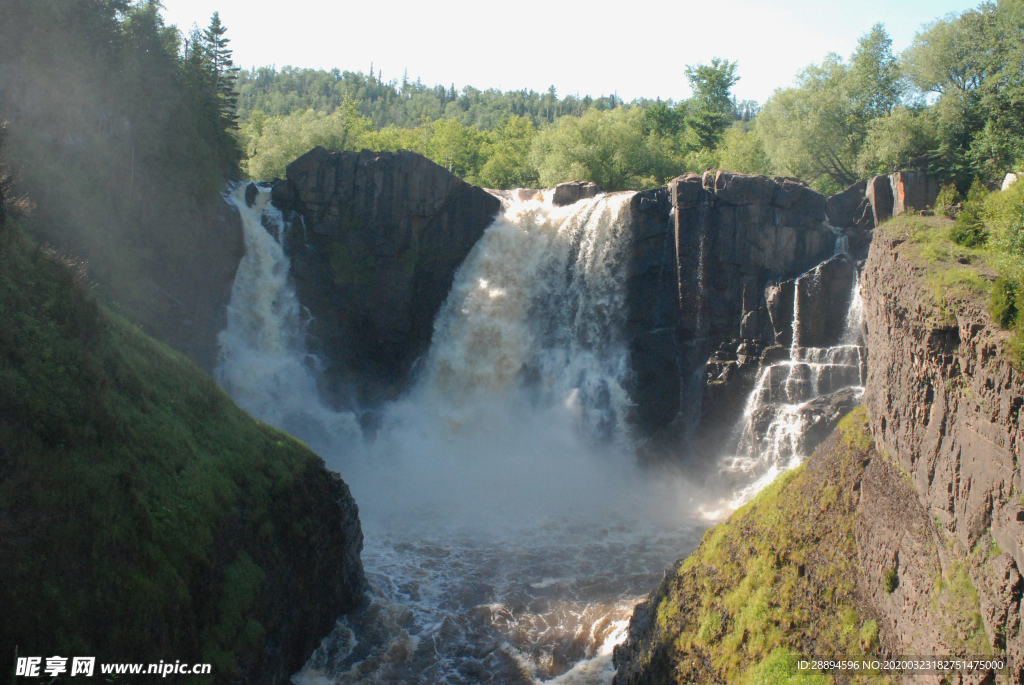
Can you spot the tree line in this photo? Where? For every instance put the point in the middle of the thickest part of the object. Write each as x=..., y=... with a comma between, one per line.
x=950, y=104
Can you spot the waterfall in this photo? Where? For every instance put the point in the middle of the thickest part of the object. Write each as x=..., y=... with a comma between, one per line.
x=508, y=530
x=263, y=361
x=786, y=399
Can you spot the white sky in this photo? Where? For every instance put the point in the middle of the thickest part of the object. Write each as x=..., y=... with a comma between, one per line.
x=637, y=48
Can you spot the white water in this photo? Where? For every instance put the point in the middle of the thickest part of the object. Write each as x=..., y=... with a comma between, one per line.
x=508, y=531
x=782, y=393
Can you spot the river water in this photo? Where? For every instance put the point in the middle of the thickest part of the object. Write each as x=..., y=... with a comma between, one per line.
x=509, y=532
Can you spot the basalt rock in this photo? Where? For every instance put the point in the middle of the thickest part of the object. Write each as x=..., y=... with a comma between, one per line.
x=705, y=250
x=373, y=259
x=880, y=197
x=573, y=191
x=913, y=191
x=944, y=402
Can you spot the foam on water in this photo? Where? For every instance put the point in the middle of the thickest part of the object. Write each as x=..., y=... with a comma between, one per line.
x=509, y=532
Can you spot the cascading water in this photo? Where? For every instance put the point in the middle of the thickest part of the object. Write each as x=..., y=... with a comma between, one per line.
x=778, y=410
x=508, y=531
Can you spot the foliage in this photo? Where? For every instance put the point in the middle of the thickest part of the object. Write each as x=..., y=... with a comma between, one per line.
x=608, y=148
x=818, y=129
x=741, y=150
x=889, y=580
x=780, y=572
x=135, y=497
x=1003, y=303
x=969, y=229
x=970, y=63
x=946, y=200
x=120, y=136
x=896, y=141
x=496, y=139
x=710, y=111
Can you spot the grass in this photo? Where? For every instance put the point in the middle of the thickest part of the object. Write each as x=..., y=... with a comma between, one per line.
x=138, y=503
x=776, y=580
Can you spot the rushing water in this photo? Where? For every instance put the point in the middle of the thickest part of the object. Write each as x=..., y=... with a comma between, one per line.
x=509, y=532
x=775, y=417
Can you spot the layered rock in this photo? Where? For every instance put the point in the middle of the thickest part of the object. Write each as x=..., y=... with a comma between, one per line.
x=706, y=249
x=945, y=404
x=381, y=237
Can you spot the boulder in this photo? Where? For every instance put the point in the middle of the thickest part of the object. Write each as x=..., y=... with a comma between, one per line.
x=913, y=191
x=384, y=234
x=847, y=208
x=880, y=197
x=574, y=191
x=250, y=194
x=1008, y=181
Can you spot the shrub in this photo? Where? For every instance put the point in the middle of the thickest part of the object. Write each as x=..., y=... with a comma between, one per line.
x=890, y=580
x=1003, y=304
x=969, y=229
x=948, y=198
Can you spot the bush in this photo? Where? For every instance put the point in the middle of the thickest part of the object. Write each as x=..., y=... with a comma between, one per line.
x=969, y=229
x=1003, y=304
x=890, y=580
x=948, y=198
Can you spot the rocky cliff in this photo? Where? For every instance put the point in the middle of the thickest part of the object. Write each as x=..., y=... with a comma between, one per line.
x=903, y=533
x=707, y=249
x=380, y=239
x=143, y=516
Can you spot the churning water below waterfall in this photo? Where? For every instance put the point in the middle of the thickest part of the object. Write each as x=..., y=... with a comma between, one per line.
x=509, y=532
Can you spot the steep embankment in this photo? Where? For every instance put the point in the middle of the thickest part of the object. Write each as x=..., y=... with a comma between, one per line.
x=902, y=534
x=143, y=516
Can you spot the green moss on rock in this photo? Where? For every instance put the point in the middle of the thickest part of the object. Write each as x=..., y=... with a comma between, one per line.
x=143, y=515
x=775, y=582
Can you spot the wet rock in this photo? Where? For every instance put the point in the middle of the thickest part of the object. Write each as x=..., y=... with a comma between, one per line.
x=705, y=249
x=250, y=194
x=779, y=302
x=381, y=237
x=574, y=191
x=822, y=299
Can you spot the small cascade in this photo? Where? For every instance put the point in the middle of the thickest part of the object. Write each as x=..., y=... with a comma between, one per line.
x=794, y=391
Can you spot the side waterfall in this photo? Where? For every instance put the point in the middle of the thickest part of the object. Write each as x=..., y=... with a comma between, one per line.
x=508, y=530
x=787, y=396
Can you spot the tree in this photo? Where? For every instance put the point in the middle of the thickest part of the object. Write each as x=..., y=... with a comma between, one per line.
x=711, y=107
x=225, y=73
x=607, y=147
x=876, y=81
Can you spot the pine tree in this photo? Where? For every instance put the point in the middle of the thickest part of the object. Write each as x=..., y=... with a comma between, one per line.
x=224, y=71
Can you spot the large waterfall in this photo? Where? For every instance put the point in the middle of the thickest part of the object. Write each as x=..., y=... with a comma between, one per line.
x=508, y=529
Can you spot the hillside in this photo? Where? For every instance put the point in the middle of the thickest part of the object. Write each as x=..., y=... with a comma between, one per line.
x=144, y=516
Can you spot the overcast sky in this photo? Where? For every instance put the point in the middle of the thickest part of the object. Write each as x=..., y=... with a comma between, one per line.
x=635, y=48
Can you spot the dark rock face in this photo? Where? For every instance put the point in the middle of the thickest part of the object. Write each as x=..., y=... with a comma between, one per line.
x=574, y=191
x=944, y=404
x=705, y=250
x=822, y=299
x=383, y=235
x=879, y=196
x=913, y=190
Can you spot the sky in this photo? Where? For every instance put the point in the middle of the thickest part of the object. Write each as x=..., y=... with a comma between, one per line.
x=638, y=48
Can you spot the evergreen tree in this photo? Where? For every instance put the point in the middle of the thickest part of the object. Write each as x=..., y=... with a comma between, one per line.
x=224, y=71
x=711, y=108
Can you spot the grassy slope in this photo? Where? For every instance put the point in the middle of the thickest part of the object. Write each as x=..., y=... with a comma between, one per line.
x=128, y=483
x=777, y=580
